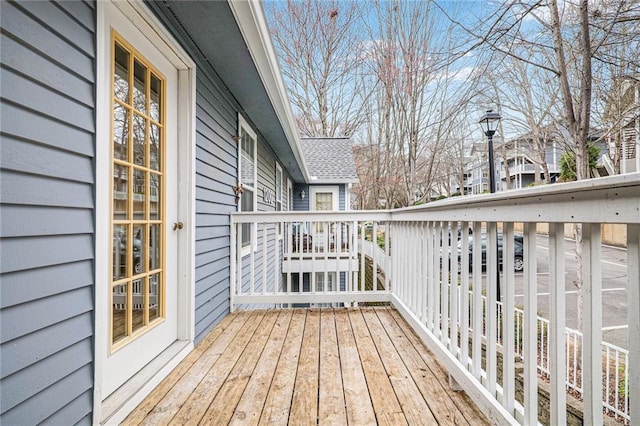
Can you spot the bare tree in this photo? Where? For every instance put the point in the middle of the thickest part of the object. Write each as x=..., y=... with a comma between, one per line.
x=319, y=47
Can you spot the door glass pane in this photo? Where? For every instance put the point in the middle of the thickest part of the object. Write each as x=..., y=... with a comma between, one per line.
x=139, y=139
x=154, y=247
x=120, y=192
x=140, y=87
x=121, y=75
x=139, y=197
x=138, y=292
x=154, y=196
x=120, y=258
x=154, y=147
x=120, y=132
x=119, y=313
x=154, y=296
x=139, y=265
x=154, y=100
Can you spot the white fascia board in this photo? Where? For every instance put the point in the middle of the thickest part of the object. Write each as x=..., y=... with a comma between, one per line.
x=332, y=181
x=252, y=24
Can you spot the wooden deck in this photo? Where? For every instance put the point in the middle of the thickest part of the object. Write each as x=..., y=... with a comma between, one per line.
x=357, y=366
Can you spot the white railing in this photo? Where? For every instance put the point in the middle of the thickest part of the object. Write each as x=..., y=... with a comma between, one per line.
x=425, y=248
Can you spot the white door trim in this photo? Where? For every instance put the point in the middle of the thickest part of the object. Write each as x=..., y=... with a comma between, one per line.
x=335, y=191
x=144, y=19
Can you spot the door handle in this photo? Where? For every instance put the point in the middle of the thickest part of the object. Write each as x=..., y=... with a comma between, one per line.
x=178, y=225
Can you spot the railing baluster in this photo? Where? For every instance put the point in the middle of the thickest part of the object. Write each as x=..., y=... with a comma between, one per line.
x=233, y=254
x=492, y=306
x=508, y=319
x=633, y=315
x=422, y=265
x=476, y=342
x=464, y=275
x=252, y=257
x=388, y=262
x=557, y=362
x=530, y=326
x=444, y=289
x=289, y=254
x=264, y=257
x=414, y=267
x=374, y=240
x=592, y=332
x=430, y=259
x=312, y=252
x=453, y=289
x=362, y=263
x=350, y=250
x=337, y=244
x=277, y=266
x=239, y=254
x=437, y=277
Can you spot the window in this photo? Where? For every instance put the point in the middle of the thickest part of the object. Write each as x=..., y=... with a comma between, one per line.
x=289, y=195
x=279, y=206
x=137, y=194
x=247, y=174
x=278, y=187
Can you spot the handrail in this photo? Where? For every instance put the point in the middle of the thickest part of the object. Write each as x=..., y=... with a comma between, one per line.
x=334, y=258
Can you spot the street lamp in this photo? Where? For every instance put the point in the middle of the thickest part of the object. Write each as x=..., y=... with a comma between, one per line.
x=489, y=123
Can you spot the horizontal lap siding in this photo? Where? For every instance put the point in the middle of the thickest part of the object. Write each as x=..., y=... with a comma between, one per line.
x=47, y=205
x=216, y=169
x=216, y=174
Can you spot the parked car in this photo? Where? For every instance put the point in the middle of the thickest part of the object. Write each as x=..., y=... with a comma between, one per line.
x=518, y=248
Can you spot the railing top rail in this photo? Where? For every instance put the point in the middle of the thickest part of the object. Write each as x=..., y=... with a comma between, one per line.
x=613, y=199
x=316, y=216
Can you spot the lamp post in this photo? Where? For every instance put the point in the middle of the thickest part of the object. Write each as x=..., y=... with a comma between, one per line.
x=489, y=123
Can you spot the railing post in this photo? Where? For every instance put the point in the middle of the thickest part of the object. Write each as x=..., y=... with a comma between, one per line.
x=557, y=361
x=530, y=326
x=633, y=315
x=592, y=333
x=508, y=319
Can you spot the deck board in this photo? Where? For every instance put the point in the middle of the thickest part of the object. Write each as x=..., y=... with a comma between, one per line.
x=331, y=410
x=356, y=366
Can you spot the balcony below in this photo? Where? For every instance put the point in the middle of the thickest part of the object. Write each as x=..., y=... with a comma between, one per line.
x=309, y=366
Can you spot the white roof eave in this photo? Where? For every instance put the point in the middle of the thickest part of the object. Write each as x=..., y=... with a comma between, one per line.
x=250, y=17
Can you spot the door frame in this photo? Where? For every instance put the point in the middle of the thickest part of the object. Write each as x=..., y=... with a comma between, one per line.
x=333, y=189
x=142, y=18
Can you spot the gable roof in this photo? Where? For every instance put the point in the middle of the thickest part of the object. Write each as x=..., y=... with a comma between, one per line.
x=329, y=160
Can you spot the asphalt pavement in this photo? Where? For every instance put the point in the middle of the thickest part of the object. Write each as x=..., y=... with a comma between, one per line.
x=615, y=328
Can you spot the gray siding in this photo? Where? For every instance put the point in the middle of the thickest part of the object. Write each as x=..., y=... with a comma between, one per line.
x=216, y=173
x=300, y=204
x=47, y=205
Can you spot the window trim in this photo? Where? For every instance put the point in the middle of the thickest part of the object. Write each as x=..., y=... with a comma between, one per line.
x=278, y=197
x=244, y=125
x=290, y=195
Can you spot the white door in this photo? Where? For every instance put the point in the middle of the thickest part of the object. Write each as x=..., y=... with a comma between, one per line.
x=143, y=279
x=324, y=198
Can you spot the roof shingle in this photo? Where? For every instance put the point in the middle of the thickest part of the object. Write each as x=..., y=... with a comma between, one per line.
x=330, y=159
